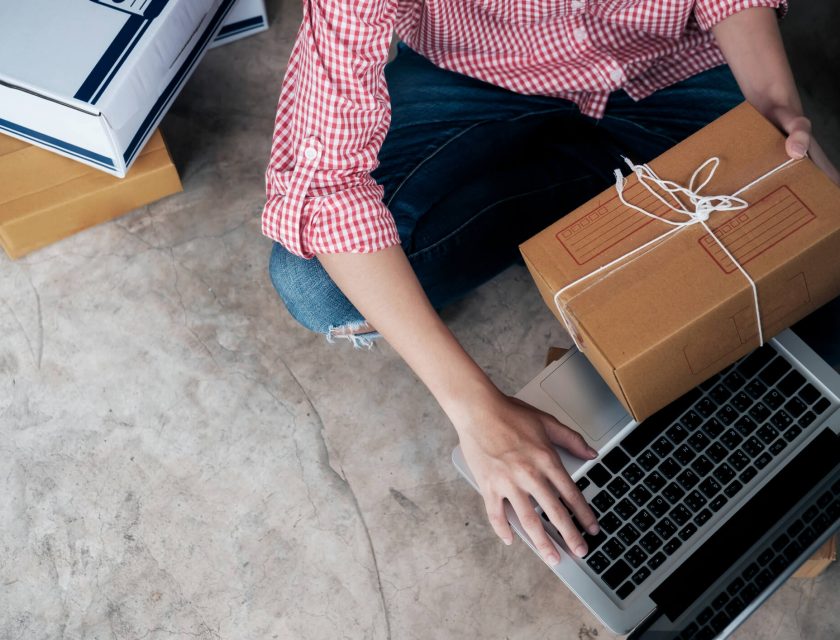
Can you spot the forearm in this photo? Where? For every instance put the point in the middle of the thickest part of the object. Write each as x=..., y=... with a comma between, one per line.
x=753, y=48
x=383, y=287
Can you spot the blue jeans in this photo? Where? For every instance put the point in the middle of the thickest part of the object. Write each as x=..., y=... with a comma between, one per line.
x=471, y=170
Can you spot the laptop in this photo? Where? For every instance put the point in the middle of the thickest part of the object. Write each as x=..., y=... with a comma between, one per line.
x=709, y=505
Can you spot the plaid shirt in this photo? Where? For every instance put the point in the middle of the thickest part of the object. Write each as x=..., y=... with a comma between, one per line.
x=334, y=109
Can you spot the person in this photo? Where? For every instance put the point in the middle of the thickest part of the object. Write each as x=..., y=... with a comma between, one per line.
x=393, y=190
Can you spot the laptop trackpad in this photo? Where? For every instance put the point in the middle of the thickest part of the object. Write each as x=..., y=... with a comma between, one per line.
x=579, y=390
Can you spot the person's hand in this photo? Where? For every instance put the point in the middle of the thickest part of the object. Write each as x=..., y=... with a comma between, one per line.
x=799, y=139
x=509, y=448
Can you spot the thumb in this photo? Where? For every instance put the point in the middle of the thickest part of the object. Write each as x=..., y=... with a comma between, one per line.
x=799, y=136
x=569, y=439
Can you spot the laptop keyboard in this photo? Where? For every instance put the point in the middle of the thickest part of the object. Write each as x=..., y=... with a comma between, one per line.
x=667, y=478
x=774, y=559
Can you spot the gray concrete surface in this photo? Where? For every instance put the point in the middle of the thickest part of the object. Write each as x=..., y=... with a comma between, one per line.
x=178, y=459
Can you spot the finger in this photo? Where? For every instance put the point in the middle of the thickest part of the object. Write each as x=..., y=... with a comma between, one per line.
x=495, y=507
x=560, y=518
x=567, y=438
x=533, y=527
x=574, y=499
x=799, y=137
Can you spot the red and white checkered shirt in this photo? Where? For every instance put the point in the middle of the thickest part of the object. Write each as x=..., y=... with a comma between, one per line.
x=334, y=109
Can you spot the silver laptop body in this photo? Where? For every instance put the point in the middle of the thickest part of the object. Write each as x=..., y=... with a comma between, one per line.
x=572, y=391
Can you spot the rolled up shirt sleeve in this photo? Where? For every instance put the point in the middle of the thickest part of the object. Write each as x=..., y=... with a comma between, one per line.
x=709, y=12
x=332, y=117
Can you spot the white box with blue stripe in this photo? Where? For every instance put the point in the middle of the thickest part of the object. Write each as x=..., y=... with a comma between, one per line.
x=91, y=79
x=248, y=17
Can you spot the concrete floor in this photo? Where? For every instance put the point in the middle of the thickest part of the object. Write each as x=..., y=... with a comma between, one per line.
x=178, y=459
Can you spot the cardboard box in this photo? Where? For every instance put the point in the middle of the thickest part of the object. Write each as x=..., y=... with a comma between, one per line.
x=44, y=197
x=91, y=79
x=246, y=18
x=820, y=561
x=670, y=317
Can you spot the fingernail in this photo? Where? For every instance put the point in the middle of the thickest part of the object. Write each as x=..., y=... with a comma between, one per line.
x=507, y=541
x=594, y=529
x=580, y=551
x=798, y=149
x=592, y=453
x=552, y=559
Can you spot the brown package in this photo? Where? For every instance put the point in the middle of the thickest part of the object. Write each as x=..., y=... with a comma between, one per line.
x=45, y=197
x=668, y=318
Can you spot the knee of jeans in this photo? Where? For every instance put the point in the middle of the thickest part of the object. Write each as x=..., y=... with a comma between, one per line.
x=310, y=295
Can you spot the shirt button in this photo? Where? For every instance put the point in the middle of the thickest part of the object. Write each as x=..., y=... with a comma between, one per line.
x=616, y=74
x=577, y=4
x=310, y=153
x=580, y=34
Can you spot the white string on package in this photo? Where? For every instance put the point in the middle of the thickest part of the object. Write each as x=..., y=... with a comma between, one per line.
x=703, y=208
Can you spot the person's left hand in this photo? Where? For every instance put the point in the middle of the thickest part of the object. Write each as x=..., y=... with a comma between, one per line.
x=800, y=141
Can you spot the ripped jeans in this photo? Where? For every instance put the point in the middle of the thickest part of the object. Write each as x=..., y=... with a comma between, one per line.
x=471, y=170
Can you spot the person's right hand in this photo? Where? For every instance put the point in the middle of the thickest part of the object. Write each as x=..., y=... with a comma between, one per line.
x=509, y=448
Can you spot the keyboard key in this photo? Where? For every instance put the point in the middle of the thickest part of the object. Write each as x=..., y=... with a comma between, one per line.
x=647, y=460
x=773, y=399
x=655, y=481
x=609, y=523
x=738, y=460
x=731, y=438
x=699, y=441
x=791, y=383
x=734, y=607
x=680, y=515
x=756, y=388
x=734, y=381
x=643, y=520
x=650, y=542
x=747, y=474
x=759, y=412
x=662, y=447
x=628, y=534
x=824, y=500
x=733, y=488
x=593, y=542
x=632, y=473
x=684, y=455
x=717, y=503
x=641, y=575
x=687, y=531
x=724, y=473
x=781, y=420
x=809, y=394
x=727, y=415
x=706, y=407
x=735, y=587
x=751, y=571
x=687, y=479
x=745, y=425
x=763, y=460
x=618, y=487
x=720, y=600
x=702, y=518
x=705, y=615
x=624, y=509
x=702, y=466
x=695, y=501
x=635, y=557
x=672, y=545
x=648, y=430
x=615, y=459
x=754, y=362
x=810, y=513
x=625, y=590
x=598, y=562
x=665, y=528
x=794, y=430
x=673, y=493
x=603, y=501
x=720, y=394
x=821, y=405
x=677, y=433
x=710, y=487
x=616, y=574
x=775, y=370
x=713, y=428
x=669, y=468
x=656, y=561
x=765, y=557
x=717, y=452
x=795, y=407
x=582, y=483
x=692, y=420
x=777, y=447
x=753, y=446
x=741, y=402
x=599, y=475
x=613, y=548
x=780, y=543
x=658, y=506
x=640, y=495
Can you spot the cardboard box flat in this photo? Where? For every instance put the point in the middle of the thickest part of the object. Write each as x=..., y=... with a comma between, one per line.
x=44, y=197
x=666, y=320
x=820, y=561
